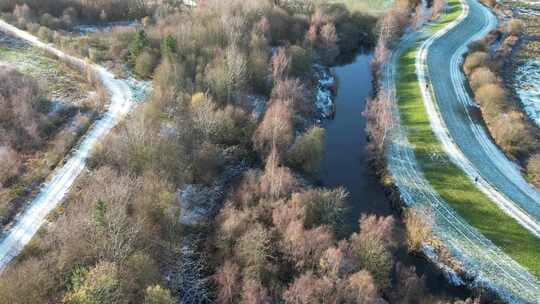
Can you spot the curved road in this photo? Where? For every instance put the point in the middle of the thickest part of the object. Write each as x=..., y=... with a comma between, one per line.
x=499, y=178
x=481, y=259
x=53, y=191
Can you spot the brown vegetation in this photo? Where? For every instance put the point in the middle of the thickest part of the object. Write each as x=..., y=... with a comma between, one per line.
x=510, y=129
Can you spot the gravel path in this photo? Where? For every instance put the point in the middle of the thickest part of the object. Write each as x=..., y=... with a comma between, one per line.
x=53, y=191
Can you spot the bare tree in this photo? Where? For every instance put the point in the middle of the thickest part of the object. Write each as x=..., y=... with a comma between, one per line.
x=228, y=279
x=329, y=40
x=253, y=292
x=437, y=8
x=277, y=181
x=280, y=64
x=308, y=288
x=359, y=288
x=276, y=129
x=380, y=120
x=10, y=164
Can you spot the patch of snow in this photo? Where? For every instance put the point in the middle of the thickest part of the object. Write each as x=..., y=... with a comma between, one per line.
x=526, y=11
x=527, y=86
x=258, y=104
x=324, y=92
x=106, y=27
x=452, y=277
x=196, y=203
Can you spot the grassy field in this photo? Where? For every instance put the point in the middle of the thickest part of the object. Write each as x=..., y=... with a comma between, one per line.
x=61, y=81
x=448, y=180
x=373, y=6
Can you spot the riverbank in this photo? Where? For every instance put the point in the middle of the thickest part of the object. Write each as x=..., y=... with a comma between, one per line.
x=347, y=163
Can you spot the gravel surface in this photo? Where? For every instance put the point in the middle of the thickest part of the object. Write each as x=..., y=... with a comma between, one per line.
x=53, y=191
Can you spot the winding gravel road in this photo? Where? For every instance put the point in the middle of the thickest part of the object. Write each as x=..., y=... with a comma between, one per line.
x=480, y=257
x=53, y=191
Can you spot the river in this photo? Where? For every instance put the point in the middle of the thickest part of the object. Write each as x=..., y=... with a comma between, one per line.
x=346, y=164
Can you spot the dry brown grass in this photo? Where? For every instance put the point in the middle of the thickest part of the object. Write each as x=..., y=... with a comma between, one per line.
x=475, y=60
x=418, y=224
x=533, y=169
x=482, y=76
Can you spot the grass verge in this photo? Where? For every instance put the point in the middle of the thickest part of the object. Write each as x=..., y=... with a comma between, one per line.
x=448, y=180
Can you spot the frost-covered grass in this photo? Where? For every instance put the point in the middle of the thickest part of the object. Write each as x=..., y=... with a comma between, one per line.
x=59, y=81
x=448, y=180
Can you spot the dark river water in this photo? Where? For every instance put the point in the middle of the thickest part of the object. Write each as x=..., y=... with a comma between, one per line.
x=346, y=164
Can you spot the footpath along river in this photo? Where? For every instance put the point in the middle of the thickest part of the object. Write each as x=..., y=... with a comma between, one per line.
x=346, y=164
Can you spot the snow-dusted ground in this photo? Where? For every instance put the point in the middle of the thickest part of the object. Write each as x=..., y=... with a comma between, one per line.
x=54, y=190
x=527, y=86
x=481, y=259
x=527, y=73
x=107, y=27
x=324, y=93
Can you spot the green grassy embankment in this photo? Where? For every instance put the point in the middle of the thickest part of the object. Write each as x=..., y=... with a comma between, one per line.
x=447, y=179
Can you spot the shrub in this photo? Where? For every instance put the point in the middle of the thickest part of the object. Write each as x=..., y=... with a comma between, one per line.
x=158, y=295
x=10, y=164
x=492, y=99
x=253, y=251
x=301, y=61
x=275, y=130
x=308, y=288
x=359, y=288
x=514, y=27
x=294, y=94
x=533, y=169
x=322, y=207
x=475, y=60
x=513, y=134
x=329, y=44
x=146, y=63
x=372, y=247
x=99, y=285
x=481, y=76
x=45, y=34
x=139, y=43
x=418, y=224
x=307, y=152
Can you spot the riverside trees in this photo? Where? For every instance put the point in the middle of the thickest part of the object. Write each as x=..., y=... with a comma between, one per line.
x=118, y=235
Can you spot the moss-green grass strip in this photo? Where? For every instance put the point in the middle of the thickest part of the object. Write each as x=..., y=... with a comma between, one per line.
x=447, y=179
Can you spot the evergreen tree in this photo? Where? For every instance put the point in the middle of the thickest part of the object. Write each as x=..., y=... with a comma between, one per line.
x=137, y=46
x=99, y=214
x=168, y=46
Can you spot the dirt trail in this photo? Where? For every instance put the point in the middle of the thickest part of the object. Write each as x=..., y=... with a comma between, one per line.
x=53, y=191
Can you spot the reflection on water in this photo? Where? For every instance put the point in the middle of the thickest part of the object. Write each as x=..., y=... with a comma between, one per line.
x=346, y=164
x=346, y=160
